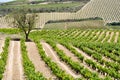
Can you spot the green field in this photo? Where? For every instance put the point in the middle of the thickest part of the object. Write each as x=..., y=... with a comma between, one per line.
x=62, y=45
x=37, y=6
x=89, y=54
x=45, y=7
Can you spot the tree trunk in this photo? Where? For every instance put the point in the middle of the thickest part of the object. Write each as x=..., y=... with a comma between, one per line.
x=26, y=36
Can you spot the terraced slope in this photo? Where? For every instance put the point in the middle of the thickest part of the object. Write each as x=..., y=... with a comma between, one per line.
x=42, y=19
x=81, y=24
x=107, y=9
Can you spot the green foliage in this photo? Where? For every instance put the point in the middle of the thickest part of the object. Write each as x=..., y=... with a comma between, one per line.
x=74, y=65
x=99, y=52
x=113, y=24
x=74, y=20
x=4, y=56
x=9, y=31
x=53, y=66
x=37, y=8
x=29, y=68
x=104, y=56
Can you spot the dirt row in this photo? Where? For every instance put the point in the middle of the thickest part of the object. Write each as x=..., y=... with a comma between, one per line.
x=74, y=58
x=52, y=54
x=107, y=34
x=116, y=37
x=88, y=57
x=1, y=45
x=97, y=34
x=14, y=69
x=39, y=64
x=111, y=36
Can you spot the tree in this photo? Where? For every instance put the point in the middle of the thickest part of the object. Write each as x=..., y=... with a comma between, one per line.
x=24, y=21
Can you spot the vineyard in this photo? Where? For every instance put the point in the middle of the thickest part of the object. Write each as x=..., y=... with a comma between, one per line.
x=103, y=9
x=72, y=54
x=41, y=20
x=80, y=24
x=94, y=8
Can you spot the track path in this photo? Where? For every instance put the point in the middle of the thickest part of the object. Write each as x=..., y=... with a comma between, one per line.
x=50, y=53
x=1, y=45
x=102, y=33
x=116, y=37
x=111, y=35
x=107, y=34
x=39, y=64
x=74, y=58
x=14, y=69
x=97, y=34
x=73, y=33
x=76, y=34
x=88, y=57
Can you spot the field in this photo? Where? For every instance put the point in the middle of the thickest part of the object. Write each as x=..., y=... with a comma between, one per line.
x=85, y=24
x=60, y=11
x=61, y=54
x=38, y=6
x=43, y=17
x=101, y=8
x=41, y=6
x=67, y=46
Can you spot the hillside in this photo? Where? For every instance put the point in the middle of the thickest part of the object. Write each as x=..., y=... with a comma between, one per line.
x=85, y=24
x=43, y=5
x=58, y=43
x=63, y=11
x=107, y=9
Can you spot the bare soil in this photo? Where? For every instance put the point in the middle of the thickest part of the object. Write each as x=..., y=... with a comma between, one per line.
x=87, y=34
x=71, y=55
x=1, y=45
x=14, y=69
x=39, y=64
x=74, y=58
x=100, y=35
x=68, y=53
x=83, y=33
x=116, y=37
x=107, y=34
x=111, y=35
x=76, y=34
x=53, y=55
x=96, y=35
